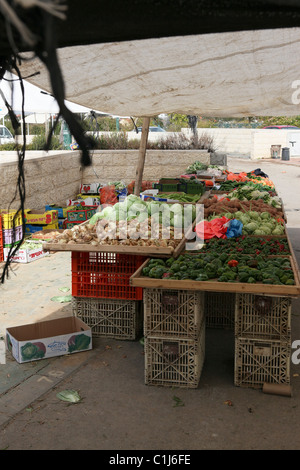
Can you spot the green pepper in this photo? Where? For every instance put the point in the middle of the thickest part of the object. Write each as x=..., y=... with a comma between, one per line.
x=157, y=272
x=193, y=273
x=243, y=277
x=175, y=268
x=170, y=261
x=156, y=262
x=202, y=277
x=146, y=271
x=183, y=267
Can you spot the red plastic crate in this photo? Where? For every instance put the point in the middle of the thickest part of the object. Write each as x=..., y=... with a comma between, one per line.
x=105, y=275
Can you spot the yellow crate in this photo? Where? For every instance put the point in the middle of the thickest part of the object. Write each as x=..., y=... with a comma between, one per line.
x=7, y=219
x=42, y=217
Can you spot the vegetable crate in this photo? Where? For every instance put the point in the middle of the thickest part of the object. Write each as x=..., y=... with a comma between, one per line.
x=11, y=236
x=173, y=313
x=10, y=219
x=164, y=187
x=259, y=361
x=219, y=309
x=263, y=317
x=82, y=214
x=174, y=362
x=191, y=188
x=117, y=319
x=105, y=275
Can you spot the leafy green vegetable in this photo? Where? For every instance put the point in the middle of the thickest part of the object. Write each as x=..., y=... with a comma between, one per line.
x=71, y=396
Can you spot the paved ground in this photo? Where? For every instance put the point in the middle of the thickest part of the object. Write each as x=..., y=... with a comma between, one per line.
x=118, y=411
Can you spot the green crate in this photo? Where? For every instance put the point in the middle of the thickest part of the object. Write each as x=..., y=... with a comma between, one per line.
x=191, y=188
x=81, y=215
x=168, y=188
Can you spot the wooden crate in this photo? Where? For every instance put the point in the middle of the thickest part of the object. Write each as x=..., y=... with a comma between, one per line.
x=213, y=285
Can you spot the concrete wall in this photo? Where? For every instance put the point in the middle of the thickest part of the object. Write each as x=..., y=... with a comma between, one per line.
x=49, y=178
x=122, y=164
x=250, y=143
x=56, y=177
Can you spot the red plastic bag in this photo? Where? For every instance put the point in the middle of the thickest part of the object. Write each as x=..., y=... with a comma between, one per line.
x=213, y=228
x=108, y=195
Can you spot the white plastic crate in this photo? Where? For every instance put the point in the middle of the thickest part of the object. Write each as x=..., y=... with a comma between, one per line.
x=173, y=362
x=173, y=313
x=117, y=319
x=219, y=308
x=263, y=317
x=258, y=361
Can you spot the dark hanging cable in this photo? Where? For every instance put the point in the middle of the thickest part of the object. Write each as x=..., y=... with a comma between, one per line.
x=20, y=188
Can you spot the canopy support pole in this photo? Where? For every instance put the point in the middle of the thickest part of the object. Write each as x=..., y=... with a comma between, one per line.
x=142, y=154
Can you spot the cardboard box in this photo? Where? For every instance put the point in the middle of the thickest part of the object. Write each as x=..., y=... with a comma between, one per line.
x=90, y=188
x=62, y=211
x=48, y=338
x=36, y=217
x=26, y=255
x=81, y=215
x=86, y=201
x=37, y=228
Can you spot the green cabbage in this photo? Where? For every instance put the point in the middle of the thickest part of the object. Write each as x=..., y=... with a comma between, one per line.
x=251, y=227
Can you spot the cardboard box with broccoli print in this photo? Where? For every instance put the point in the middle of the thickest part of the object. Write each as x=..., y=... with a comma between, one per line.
x=50, y=338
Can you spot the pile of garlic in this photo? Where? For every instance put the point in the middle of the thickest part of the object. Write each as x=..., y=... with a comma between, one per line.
x=106, y=232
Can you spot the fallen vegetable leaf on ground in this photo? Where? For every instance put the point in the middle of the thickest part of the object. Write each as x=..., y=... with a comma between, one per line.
x=61, y=298
x=178, y=401
x=71, y=396
x=64, y=289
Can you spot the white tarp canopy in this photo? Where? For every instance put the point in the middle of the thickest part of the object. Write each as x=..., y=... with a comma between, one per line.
x=36, y=100
x=234, y=74
x=36, y=118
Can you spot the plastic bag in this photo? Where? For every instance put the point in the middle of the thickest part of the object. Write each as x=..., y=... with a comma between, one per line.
x=108, y=195
x=234, y=228
x=213, y=228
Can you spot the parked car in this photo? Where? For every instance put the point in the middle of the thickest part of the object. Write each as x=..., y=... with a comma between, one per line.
x=281, y=127
x=5, y=136
x=153, y=129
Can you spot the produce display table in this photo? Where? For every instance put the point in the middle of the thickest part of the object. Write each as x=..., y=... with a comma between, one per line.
x=175, y=310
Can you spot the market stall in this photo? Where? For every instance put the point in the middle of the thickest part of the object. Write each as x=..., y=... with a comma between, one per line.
x=239, y=272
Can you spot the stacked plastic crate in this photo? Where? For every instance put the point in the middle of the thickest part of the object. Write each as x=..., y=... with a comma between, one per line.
x=102, y=296
x=174, y=337
x=12, y=231
x=262, y=340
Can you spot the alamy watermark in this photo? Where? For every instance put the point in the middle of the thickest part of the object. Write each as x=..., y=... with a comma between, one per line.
x=296, y=93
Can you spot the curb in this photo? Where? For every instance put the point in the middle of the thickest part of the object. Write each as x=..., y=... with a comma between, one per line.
x=38, y=384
